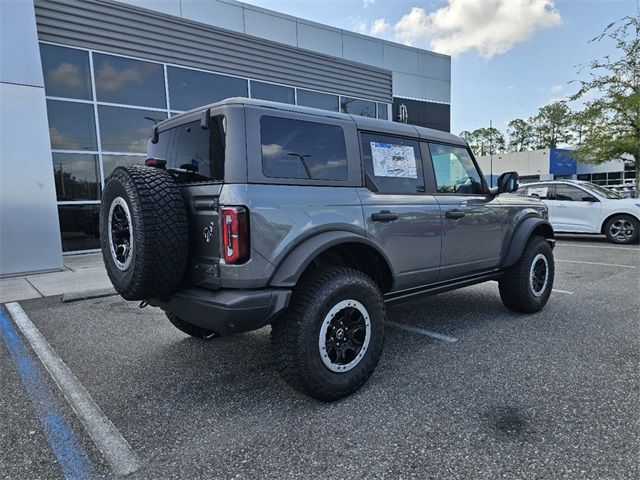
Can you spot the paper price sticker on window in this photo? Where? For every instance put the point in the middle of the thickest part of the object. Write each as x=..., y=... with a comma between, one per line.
x=391, y=160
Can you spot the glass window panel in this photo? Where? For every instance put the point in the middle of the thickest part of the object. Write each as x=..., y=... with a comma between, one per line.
x=299, y=149
x=584, y=176
x=132, y=82
x=275, y=93
x=308, y=98
x=568, y=193
x=77, y=176
x=126, y=129
x=79, y=227
x=455, y=171
x=71, y=125
x=190, y=88
x=383, y=111
x=358, y=107
x=393, y=163
x=614, y=175
x=66, y=72
x=110, y=162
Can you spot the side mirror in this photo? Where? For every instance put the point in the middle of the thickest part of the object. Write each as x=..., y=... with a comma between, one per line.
x=508, y=182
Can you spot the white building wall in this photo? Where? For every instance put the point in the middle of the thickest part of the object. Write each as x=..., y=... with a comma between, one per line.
x=417, y=73
x=535, y=162
x=29, y=229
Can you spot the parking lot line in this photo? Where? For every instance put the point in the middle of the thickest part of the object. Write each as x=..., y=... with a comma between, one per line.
x=562, y=291
x=596, y=263
x=67, y=448
x=422, y=331
x=611, y=247
x=115, y=449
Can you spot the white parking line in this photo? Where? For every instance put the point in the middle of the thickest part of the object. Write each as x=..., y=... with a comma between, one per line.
x=115, y=449
x=562, y=291
x=597, y=246
x=422, y=331
x=597, y=263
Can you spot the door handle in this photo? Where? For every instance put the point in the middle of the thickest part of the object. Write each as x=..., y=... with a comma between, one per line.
x=384, y=216
x=454, y=214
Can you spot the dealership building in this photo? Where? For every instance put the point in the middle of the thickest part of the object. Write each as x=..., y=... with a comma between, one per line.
x=83, y=82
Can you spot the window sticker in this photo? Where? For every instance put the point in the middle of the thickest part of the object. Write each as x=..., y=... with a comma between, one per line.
x=540, y=192
x=390, y=160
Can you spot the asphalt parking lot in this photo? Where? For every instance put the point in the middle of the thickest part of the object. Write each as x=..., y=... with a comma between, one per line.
x=551, y=395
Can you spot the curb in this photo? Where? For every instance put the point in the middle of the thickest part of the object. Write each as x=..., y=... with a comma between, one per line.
x=87, y=294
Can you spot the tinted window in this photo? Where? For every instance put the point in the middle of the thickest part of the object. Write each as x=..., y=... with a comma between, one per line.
x=275, y=93
x=393, y=163
x=133, y=82
x=190, y=89
x=455, y=171
x=358, y=107
x=71, y=126
x=79, y=227
x=76, y=176
x=110, y=162
x=299, y=149
x=66, y=72
x=190, y=147
x=540, y=191
x=126, y=129
x=307, y=98
x=569, y=193
x=383, y=111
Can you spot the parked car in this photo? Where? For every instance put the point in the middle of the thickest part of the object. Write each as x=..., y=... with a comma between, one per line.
x=583, y=207
x=252, y=213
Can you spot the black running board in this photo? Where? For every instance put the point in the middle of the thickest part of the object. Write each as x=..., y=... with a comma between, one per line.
x=410, y=294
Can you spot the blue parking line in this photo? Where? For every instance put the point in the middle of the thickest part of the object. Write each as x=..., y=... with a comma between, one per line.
x=72, y=458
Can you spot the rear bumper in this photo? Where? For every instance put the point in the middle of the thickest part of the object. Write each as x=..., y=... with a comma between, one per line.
x=226, y=311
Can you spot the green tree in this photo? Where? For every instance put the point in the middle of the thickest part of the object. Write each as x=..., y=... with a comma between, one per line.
x=552, y=125
x=610, y=124
x=520, y=134
x=485, y=141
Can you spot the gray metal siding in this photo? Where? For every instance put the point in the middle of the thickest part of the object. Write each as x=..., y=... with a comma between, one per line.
x=114, y=27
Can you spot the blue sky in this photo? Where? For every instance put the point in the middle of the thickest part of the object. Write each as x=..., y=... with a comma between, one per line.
x=510, y=57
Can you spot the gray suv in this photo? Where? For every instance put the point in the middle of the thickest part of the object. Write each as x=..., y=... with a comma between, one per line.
x=249, y=213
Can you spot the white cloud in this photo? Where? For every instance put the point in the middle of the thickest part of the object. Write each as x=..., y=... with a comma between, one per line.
x=491, y=27
x=368, y=3
x=556, y=88
x=66, y=75
x=379, y=26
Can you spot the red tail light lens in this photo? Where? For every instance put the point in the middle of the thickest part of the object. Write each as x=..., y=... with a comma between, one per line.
x=235, y=234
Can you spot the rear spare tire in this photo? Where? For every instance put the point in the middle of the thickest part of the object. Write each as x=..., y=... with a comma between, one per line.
x=143, y=232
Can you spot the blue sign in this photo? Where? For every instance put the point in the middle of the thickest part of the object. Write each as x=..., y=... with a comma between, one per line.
x=561, y=162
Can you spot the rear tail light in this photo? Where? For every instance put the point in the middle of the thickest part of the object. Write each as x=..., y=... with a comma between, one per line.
x=235, y=234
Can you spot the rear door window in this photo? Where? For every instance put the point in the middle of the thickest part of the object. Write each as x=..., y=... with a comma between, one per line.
x=300, y=149
x=192, y=148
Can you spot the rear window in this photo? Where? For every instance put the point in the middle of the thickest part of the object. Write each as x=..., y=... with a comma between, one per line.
x=192, y=148
x=298, y=149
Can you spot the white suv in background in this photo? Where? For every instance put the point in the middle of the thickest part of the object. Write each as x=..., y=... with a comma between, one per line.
x=583, y=207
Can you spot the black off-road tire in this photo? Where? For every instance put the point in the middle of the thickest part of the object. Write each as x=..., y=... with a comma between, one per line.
x=623, y=220
x=295, y=336
x=516, y=290
x=191, y=329
x=160, y=232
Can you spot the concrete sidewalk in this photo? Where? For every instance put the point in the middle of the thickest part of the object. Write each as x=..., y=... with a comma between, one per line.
x=81, y=274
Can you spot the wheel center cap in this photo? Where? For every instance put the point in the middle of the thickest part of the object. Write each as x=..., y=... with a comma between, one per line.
x=340, y=334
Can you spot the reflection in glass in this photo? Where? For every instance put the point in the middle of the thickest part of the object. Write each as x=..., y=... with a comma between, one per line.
x=455, y=170
x=308, y=98
x=358, y=107
x=71, y=126
x=275, y=93
x=79, y=227
x=132, y=82
x=306, y=150
x=66, y=72
x=110, y=162
x=77, y=176
x=190, y=88
x=126, y=129
x=383, y=112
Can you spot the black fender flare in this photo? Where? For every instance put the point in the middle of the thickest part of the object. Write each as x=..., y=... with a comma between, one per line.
x=297, y=260
x=521, y=236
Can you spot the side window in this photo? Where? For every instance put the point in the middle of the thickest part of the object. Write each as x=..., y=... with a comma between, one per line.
x=394, y=164
x=455, y=171
x=568, y=193
x=540, y=191
x=302, y=150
